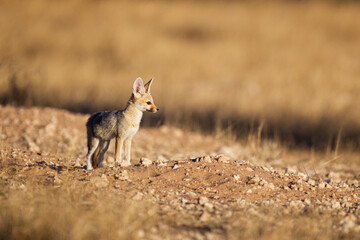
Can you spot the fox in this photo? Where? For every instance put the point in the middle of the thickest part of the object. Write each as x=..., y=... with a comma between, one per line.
x=122, y=125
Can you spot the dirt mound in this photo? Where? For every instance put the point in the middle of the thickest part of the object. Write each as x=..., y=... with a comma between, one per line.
x=201, y=188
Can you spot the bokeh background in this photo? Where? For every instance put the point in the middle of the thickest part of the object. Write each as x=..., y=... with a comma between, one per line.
x=289, y=69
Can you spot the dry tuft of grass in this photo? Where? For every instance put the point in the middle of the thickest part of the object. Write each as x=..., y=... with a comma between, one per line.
x=70, y=211
x=303, y=226
x=64, y=208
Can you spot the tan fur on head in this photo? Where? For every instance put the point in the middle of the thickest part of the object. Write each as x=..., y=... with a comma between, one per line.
x=141, y=96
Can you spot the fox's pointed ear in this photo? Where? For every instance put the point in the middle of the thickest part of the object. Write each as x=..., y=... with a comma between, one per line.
x=138, y=88
x=148, y=85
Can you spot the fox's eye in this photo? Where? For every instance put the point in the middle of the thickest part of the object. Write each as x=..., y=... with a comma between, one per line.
x=148, y=102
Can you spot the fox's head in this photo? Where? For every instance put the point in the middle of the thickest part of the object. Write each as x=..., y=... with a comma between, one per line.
x=142, y=97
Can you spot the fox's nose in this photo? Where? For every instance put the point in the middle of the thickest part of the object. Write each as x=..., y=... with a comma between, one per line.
x=157, y=109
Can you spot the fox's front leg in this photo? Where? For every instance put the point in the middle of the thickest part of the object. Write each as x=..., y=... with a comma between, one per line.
x=119, y=151
x=126, y=161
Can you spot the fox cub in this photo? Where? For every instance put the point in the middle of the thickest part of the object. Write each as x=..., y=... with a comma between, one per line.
x=123, y=125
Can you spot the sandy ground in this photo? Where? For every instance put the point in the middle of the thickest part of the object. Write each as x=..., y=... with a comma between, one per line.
x=202, y=187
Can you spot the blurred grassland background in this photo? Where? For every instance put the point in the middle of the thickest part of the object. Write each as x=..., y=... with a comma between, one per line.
x=290, y=68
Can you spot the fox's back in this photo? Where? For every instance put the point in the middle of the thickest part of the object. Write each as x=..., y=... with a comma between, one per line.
x=104, y=125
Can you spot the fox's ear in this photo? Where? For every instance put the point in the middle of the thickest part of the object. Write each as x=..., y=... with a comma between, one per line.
x=138, y=88
x=148, y=85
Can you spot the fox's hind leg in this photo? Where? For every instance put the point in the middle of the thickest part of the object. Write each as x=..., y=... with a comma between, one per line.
x=103, y=146
x=95, y=156
x=93, y=144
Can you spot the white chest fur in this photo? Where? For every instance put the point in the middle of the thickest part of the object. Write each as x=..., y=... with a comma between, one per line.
x=130, y=132
x=129, y=124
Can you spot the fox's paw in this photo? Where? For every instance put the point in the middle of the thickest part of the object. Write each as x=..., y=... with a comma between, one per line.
x=117, y=164
x=89, y=167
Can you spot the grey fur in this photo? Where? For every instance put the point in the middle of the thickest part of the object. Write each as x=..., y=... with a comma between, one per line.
x=103, y=125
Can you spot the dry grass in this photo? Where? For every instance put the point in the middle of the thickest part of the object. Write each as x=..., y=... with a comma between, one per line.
x=69, y=210
x=303, y=226
x=294, y=66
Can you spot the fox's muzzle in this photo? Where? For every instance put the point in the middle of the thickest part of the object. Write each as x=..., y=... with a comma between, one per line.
x=154, y=110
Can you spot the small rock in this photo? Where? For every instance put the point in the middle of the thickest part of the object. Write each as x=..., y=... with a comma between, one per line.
x=353, y=182
x=254, y=180
x=57, y=180
x=203, y=200
x=290, y=170
x=269, y=185
x=161, y=161
x=208, y=206
x=335, y=204
x=206, y=159
x=221, y=158
x=311, y=182
x=249, y=169
x=240, y=162
x=227, y=214
x=322, y=185
x=205, y=216
x=265, y=169
x=184, y=201
x=122, y=175
x=175, y=166
x=346, y=204
x=252, y=211
x=191, y=194
x=77, y=162
x=236, y=177
x=210, y=190
x=262, y=182
x=333, y=175
x=302, y=175
x=138, y=196
x=296, y=204
x=101, y=181
x=286, y=188
x=241, y=202
x=145, y=162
